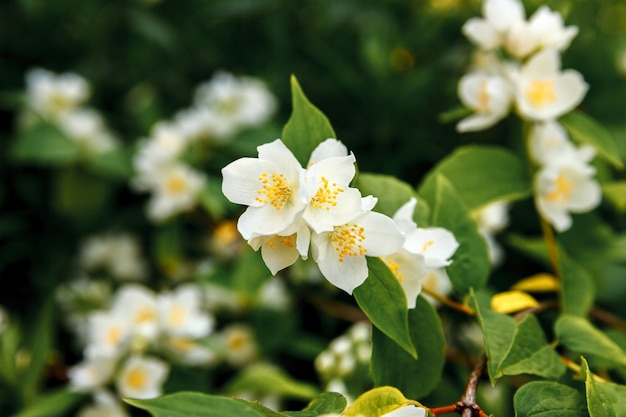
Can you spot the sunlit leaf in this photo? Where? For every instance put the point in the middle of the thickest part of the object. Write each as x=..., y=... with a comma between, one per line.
x=265, y=379
x=548, y=399
x=192, y=404
x=604, y=399
x=377, y=402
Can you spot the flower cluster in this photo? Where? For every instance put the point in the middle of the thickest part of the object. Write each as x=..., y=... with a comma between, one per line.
x=291, y=208
x=124, y=343
x=59, y=99
x=531, y=81
x=116, y=254
x=222, y=107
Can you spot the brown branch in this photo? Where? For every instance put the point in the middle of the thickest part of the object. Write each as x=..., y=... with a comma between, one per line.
x=449, y=302
x=608, y=319
x=467, y=407
x=543, y=306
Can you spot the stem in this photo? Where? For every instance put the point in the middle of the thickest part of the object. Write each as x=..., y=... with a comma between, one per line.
x=452, y=408
x=468, y=401
x=553, y=250
x=607, y=318
x=576, y=368
x=449, y=302
x=543, y=306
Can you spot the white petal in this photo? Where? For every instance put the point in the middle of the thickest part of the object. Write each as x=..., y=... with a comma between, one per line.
x=482, y=33
x=241, y=182
x=382, y=236
x=544, y=64
x=503, y=14
x=323, y=219
x=279, y=256
x=267, y=220
x=407, y=411
x=436, y=244
x=328, y=149
x=278, y=153
x=585, y=196
x=478, y=121
x=404, y=216
x=346, y=275
x=553, y=214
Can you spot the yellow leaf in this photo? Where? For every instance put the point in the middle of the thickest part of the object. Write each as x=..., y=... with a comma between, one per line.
x=377, y=402
x=543, y=282
x=512, y=301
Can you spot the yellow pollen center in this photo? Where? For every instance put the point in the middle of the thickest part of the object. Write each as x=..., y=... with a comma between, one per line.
x=144, y=315
x=394, y=268
x=483, y=98
x=60, y=102
x=347, y=240
x=541, y=93
x=277, y=240
x=226, y=232
x=275, y=190
x=326, y=195
x=178, y=315
x=237, y=341
x=561, y=190
x=136, y=378
x=175, y=185
x=427, y=245
x=182, y=344
x=113, y=335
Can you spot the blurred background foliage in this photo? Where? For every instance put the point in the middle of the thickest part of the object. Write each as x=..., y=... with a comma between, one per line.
x=383, y=72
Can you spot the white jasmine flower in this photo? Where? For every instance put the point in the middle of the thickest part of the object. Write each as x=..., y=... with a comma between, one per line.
x=330, y=148
x=138, y=305
x=141, y=377
x=108, y=334
x=548, y=30
x=106, y=405
x=435, y=244
x=340, y=253
x=360, y=332
x=180, y=313
x=437, y=281
x=189, y=351
x=203, y=124
x=409, y=269
x=92, y=373
x=177, y=189
x=543, y=91
x=51, y=95
x=550, y=145
x=274, y=295
x=284, y=248
x=492, y=219
x=118, y=254
x=331, y=201
x=239, y=345
x=338, y=385
x=87, y=129
x=218, y=298
x=269, y=185
x=489, y=96
x=244, y=101
x=164, y=146
x=564, y=188
x=407, y=411
x=499, y=16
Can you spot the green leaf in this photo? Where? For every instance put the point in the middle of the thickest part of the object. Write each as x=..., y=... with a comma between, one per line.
x=470, y=264
x=213, y=200
x=376, y=402
x=481, y=175
x=250, y=273
x=577, y=288
x=269, y=379
x=266, y=412
x=45, y=144
x=548, y=399
x=116, y=164
x=604, y=399
x=393, y=366
x=192, y=404
x=498, y=332
x=324, y=403
x=615, y=192
x=454, y=114
x=580, y=336
x=585, y=129
x=392, y=194
x=307, y=127
x=81, y=195
x=383, y=301
x=53, y=403
x=530, y=352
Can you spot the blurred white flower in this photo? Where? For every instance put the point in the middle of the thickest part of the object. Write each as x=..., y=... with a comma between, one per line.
x=340, y=253
x=87, y=129
x=563, y=188
x=177, y=189
x=543, y=91
x=239, y=345
x=491, y=220
x=242, y=101
x=180, y=313
x=200, y=123
x=489, y=96
x=499, y=16
x=92, y=373
x=165, y=144
x=106, y=405
x=269, y=185
x=436, y=280
x=108, y=334
x=550, y=145
x=118, y=254
x=51, y=95
x=275, y=295
x=189, y=351
x=138, y=305
x=141, y=377
x=436, y=244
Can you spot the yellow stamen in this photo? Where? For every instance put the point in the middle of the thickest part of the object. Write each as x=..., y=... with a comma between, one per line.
x=347, y=240
x=113, y=335
x=288, y=241
x=394, y=268
x=136, y=378
x=561, y=190
x=541, y=93
x=178, y=315
x=144, y=315
x=175, y=184
x=326, y=195
x=483, y=98
x=275, y=190
x=427, y=245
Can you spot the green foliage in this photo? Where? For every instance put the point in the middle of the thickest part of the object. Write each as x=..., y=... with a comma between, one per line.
x=45, y=144
x=58, y=402
x=394, y=367
x=376, y=402
x=191, y=404
x=382, y=299
x=577, y=288
x=307, y=126
x=604, y=399
x=548, y=399
x=268, y=379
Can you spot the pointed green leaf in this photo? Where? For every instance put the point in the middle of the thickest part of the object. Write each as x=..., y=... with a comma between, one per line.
x=45, y=144
x=482, y=175
x=498, y=332
x=270, y=379
x=307, y=127
x=604, y=399
x=579, y=335
x=470, y=264
x=383, y=301
x=615, y=192
x=548, y=399
x=115, y=164
x=585, y=129
x=192, y=404
x=530, y=352
x=392, y=366
x=265, y=412
x=392, y=194
x=57, y=402
x=577, y=288
x=376, y=402
x=324, y=403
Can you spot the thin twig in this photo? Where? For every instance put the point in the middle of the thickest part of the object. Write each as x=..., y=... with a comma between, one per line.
x=576, y=368
x=543, y=306
x=449, y=302
x=551, y=246
x=608, y=319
